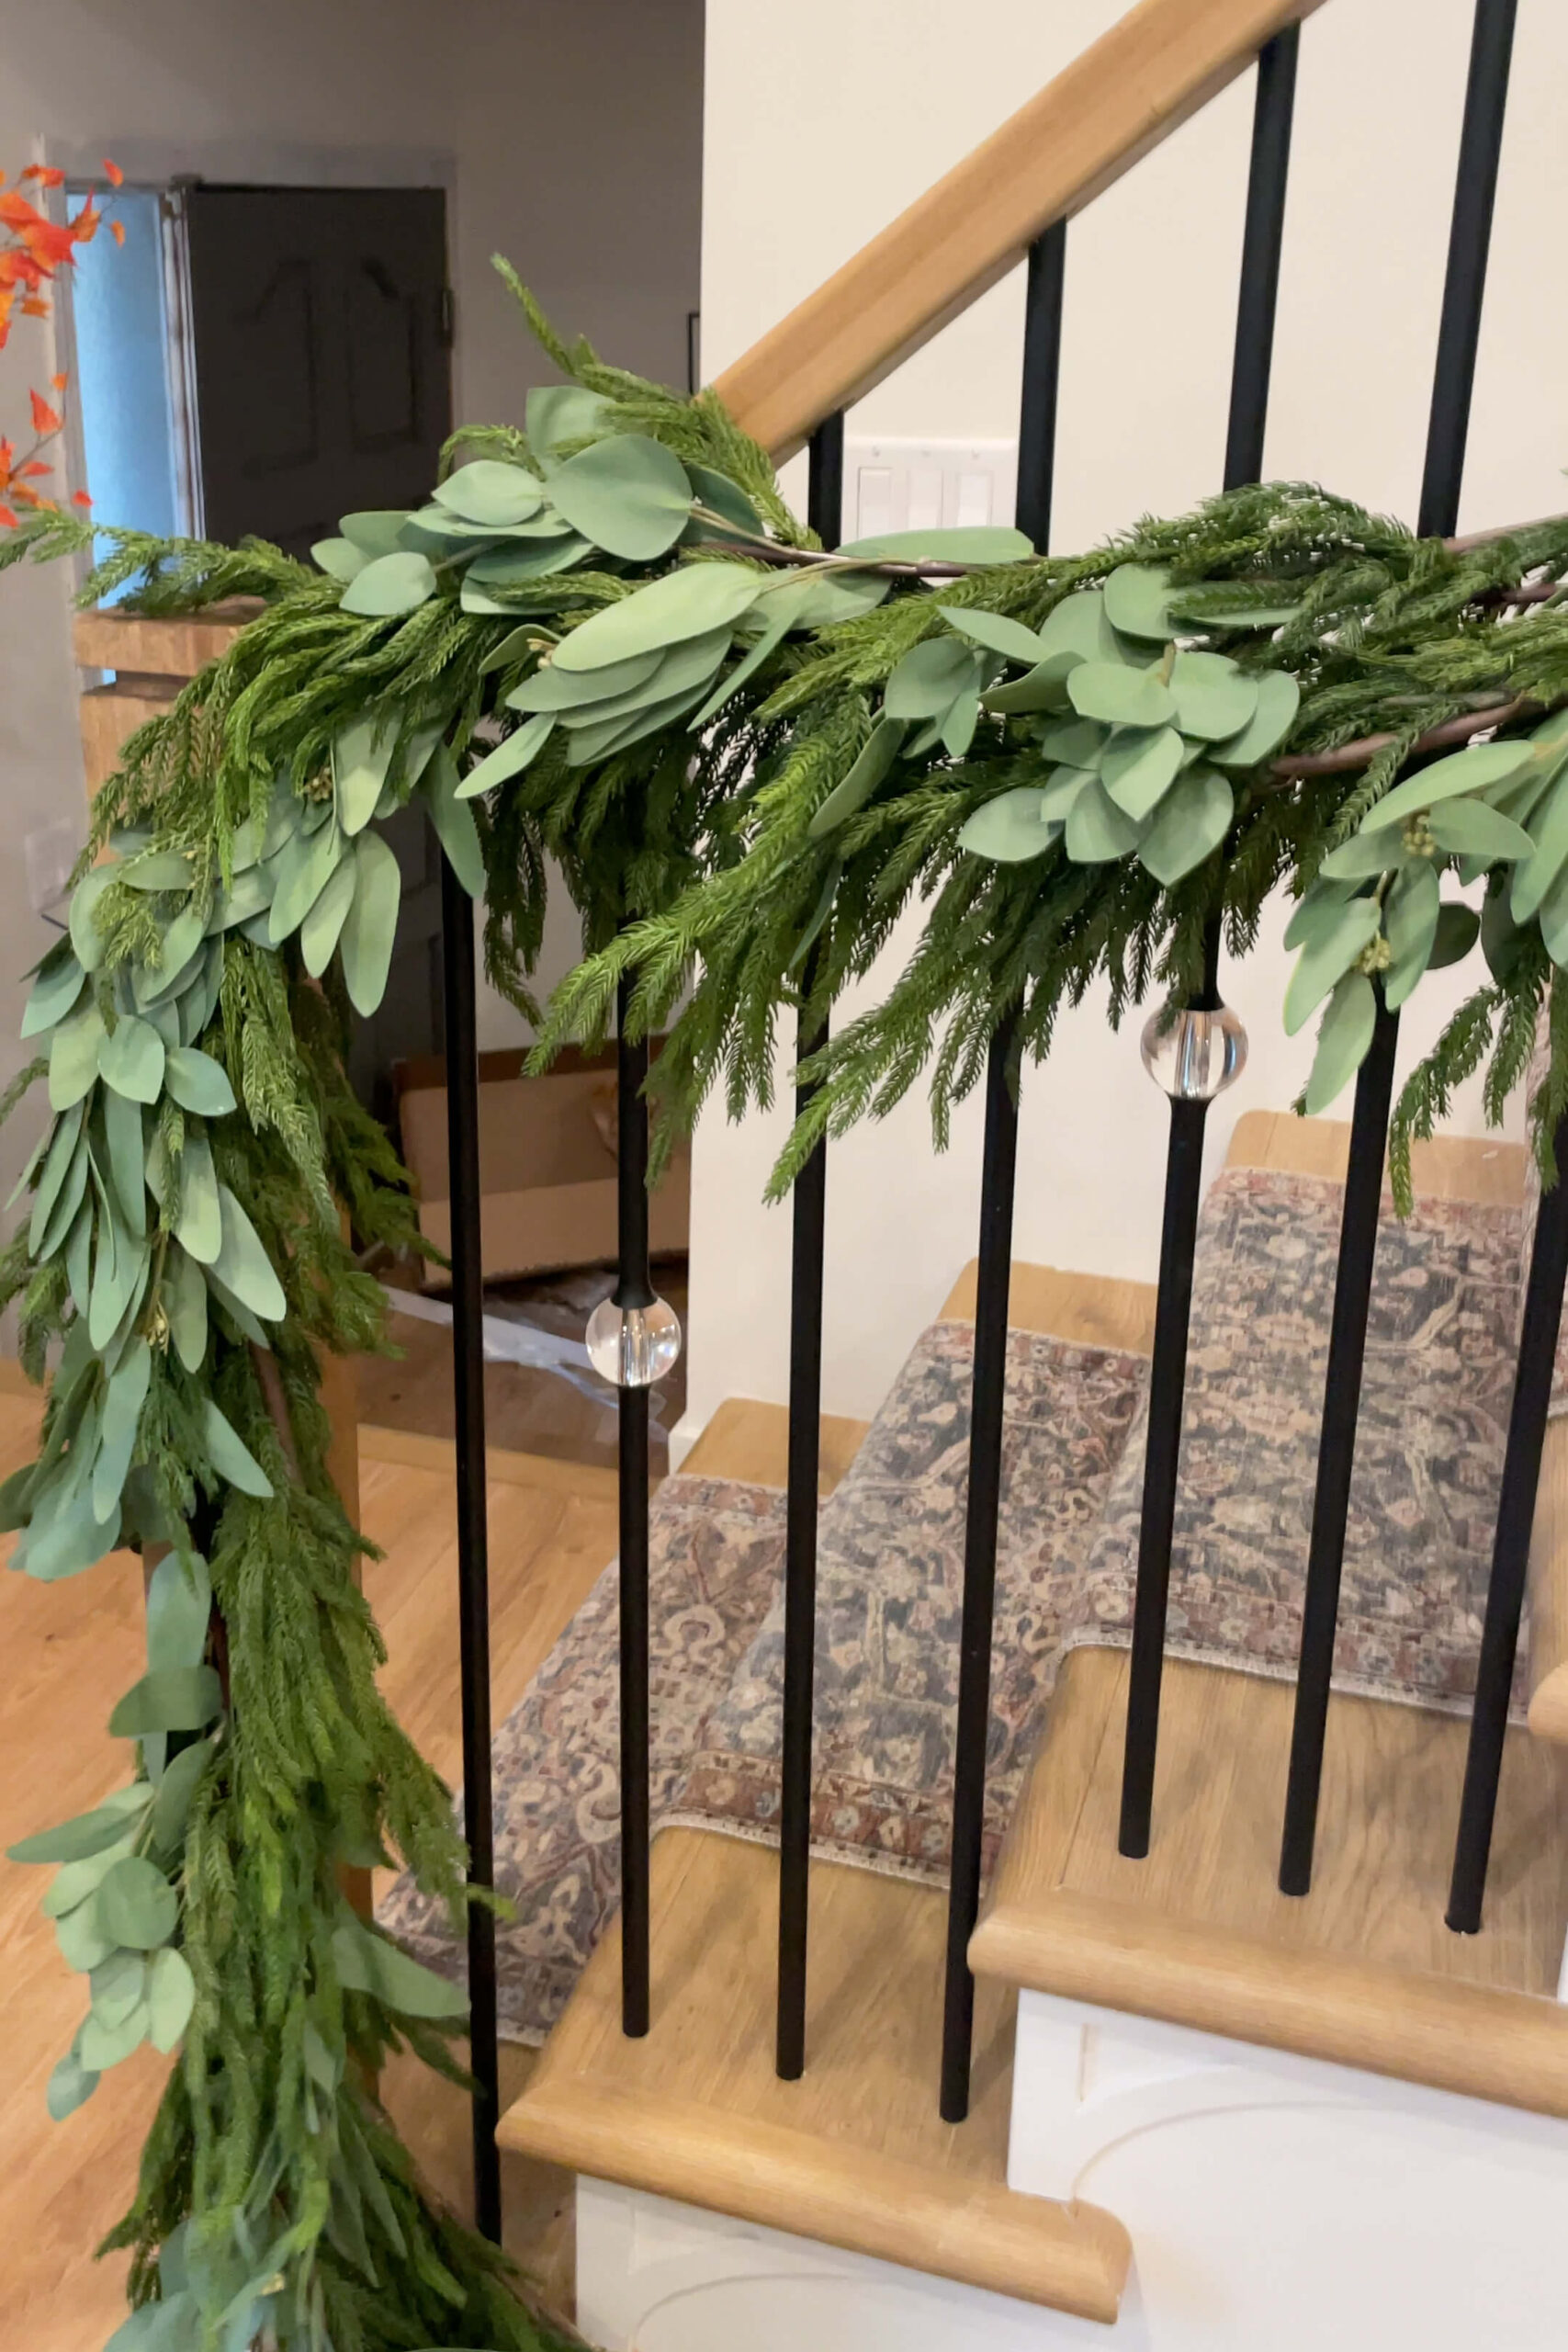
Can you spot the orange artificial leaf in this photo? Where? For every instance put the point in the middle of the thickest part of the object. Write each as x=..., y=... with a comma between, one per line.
x=117, y=231
x=25, y=497
x=60, y=382
x=34, y=467
x=80, y=498
x=8, y=521
x=45, y=419
x=46, y=174
x=34, y=307
x=16, y=211
x=115, y=176
x=85, y=228
x=49, y=244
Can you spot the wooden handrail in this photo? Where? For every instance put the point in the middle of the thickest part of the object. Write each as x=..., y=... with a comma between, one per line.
x=1137, y=84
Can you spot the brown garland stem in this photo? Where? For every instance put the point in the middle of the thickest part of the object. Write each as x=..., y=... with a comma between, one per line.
x=1366, y=748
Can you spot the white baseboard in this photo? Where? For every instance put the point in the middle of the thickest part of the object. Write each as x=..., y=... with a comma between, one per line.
x=683, y=1436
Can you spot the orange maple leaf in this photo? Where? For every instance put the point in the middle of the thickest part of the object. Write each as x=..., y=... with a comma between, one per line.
x=35, y=467
x=117, y=231
x=45, y=419
x=60, y=382
x=34, y=307
x=46, y=174
x=80, y=498
x=8, y=521
x=112, y=172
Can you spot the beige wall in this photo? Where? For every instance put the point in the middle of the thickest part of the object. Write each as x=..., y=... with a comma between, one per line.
x=821, y=123
x=567, y=135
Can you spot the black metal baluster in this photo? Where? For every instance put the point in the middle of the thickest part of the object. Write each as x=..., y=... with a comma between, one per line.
x=1336, y=1448
x=473, y=1572
x=1459, y=330
x=824, y=510
x=1036, y=461
x=1261, y=239
x=633, y=1289
x=1470, y=235
x=1510, y=1548
x=982, y=1505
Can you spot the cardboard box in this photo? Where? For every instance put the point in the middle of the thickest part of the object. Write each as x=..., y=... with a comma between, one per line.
x=546, y=1165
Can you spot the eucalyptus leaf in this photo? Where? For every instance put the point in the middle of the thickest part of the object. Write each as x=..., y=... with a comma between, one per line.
x=251, y=896
x=1342, y=1041
x=967, y=543
x=1193, y=819
x=375, y=531
x=1120, y=696
x=1470, y=829
x=125, y=1138
x=820, y=599
x=1080, y=626
x=70, y=2085
x=1009, y=828
x=509, y=757
x=996, y=632
x=1458, y=929
x=137, y=1907
x=1097, y=830
x=81, y=920
x=185, y=1303
x=238, y=1313
x=123, y=1399
x=1063, y=789
x=231, y=1458
x=73, y=1056
x=66, y=1539
x=241, y=1263
x=84, y=1943
x=89, y=1833
x=489, y=577
x=319, y=931
x=1327, y=957
x=391, y=586
x=1079, y=742
x=157, y=869
x=1362, y=857
x=119, y=1259
x=1214, y=699
x=1274, y=714
x=179, y=1611
x=198, y=1083
x=171, y=1996
x=925, y=682
x=960, y=721
x=775, y=632
x=690, y=663
x=339, y=558
x=1549, y=829
x=198, y=1228
x=131, y=1060
x=628, y=493
x=168, y=1697
x=60, y=982
x=367, y=1962
x=63, y=1178
x=370, y=927
x=361, y=757
x=103, y=2046
x=117, y=1984
x=688, y=603
x=588, y=744
x=1043, y=688
x=871, y=765
x=1410, y=924
x=1475, y=769
x=1138, y=765
x=1317, y=913
x=31, y=1165
x=1554, y=916
x=488, y=491
x=79, y=1259
x=1138, y=600
x=454, y=823
x=554, y=414
x=171, y=1806
x=557, y=690
x=726, y=498
x=73, y=1883
x=304, y=869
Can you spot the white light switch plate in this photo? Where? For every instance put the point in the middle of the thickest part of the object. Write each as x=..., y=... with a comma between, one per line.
x=893, y=485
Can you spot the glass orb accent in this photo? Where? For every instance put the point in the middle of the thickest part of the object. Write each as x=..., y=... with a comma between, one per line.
x=632, y=1347
x=1194, y=1056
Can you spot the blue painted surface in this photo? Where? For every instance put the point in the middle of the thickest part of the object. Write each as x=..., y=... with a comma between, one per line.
x=123, y=385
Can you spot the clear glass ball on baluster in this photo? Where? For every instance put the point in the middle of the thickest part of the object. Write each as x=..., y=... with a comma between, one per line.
x=1194, y=1056
x=633, y=1346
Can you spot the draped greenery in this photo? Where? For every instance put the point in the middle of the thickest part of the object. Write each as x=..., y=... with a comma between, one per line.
x=603, y=650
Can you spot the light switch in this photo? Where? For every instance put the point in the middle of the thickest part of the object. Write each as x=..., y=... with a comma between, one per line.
x=894, y=484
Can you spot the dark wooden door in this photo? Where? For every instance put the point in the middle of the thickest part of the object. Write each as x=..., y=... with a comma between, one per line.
x=319, y=328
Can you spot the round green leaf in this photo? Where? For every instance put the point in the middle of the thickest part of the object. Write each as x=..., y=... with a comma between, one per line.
x=1077, y=742
x=1043, y=688
x=490, y=491
x=1061, y=791
x=137, y=1907
x=1213, y=697
x=485, y=582
x=628, y=493
x=1137, y=600
x=1097, y=830
x=1278, y=699
x=996, y=632
x=339, y=558
x=196, y=1083
x=1458, y=928
x=60, y=982
x=1475, y=769
x=131, y=1061
x=157, y=869
x=375, y=531
x=69, y=2086
x=1343, y=1040
x=170, y=1698
x=119, y=1983
x=103, y=2046
x=929, y=678
x=370, y=928
x=83, y=1942
x=1079, y=625
x=1138, y=765
x=73, y=1056
x=83, y=929
x=1009, y=828
x=854, y=788
x=171, y=1996
x=1119, y=696
x=1328, y=955
x=554, y=414
x=389, y=585
x=688, y=603
x=1193, y=819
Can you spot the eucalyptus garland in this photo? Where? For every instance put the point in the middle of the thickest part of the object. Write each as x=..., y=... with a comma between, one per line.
x=603, y=640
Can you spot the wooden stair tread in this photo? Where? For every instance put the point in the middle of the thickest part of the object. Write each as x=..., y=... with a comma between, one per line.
x=853, y=2155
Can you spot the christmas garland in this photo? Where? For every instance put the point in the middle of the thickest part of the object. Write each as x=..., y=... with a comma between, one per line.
x=605, y=641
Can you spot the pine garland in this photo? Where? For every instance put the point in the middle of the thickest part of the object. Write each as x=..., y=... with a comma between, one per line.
x=606, y=647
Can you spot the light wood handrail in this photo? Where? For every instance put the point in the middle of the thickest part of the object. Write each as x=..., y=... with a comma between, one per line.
x=1137, y=84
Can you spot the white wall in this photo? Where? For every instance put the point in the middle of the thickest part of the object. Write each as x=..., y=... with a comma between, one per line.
x=567, y=133
x=819, y=127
